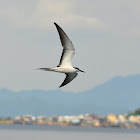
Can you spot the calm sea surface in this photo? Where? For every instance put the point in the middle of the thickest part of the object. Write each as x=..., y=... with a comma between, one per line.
x=42, y=132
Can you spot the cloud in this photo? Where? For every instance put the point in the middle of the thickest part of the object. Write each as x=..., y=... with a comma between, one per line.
x=45, y=12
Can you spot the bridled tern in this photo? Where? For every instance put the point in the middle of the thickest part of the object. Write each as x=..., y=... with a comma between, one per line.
x=65, y=65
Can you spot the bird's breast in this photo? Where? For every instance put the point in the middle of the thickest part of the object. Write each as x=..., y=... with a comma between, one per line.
x=65, y=69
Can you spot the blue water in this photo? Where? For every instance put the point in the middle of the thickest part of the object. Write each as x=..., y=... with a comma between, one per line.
x=43, y=132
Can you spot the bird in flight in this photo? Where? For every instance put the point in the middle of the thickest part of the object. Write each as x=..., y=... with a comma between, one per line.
x=65, y=65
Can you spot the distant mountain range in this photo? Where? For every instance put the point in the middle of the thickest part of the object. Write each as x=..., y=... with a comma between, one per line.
x=118, y=95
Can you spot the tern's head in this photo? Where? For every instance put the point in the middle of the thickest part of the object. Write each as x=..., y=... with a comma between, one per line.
x=78, y=69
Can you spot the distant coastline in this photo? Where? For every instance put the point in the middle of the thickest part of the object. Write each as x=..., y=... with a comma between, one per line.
x=131, y=120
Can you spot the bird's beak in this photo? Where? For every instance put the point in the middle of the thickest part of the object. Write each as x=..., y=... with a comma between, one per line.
x=82, y=71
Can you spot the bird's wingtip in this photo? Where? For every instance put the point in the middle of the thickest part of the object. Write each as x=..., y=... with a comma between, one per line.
x=56, y=24
x=61, y=85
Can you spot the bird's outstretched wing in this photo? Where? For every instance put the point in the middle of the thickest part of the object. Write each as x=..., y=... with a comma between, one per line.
x=68, y=48
x=69, y=78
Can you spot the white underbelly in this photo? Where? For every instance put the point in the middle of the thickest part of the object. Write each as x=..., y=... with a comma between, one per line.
x=65, y=69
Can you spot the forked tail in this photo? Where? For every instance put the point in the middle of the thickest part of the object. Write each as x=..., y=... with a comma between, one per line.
x=46, y=69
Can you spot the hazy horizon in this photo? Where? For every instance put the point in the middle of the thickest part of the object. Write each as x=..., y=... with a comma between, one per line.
x=119, y=95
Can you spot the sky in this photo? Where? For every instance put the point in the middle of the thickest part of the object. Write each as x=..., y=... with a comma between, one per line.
x=105, y=33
